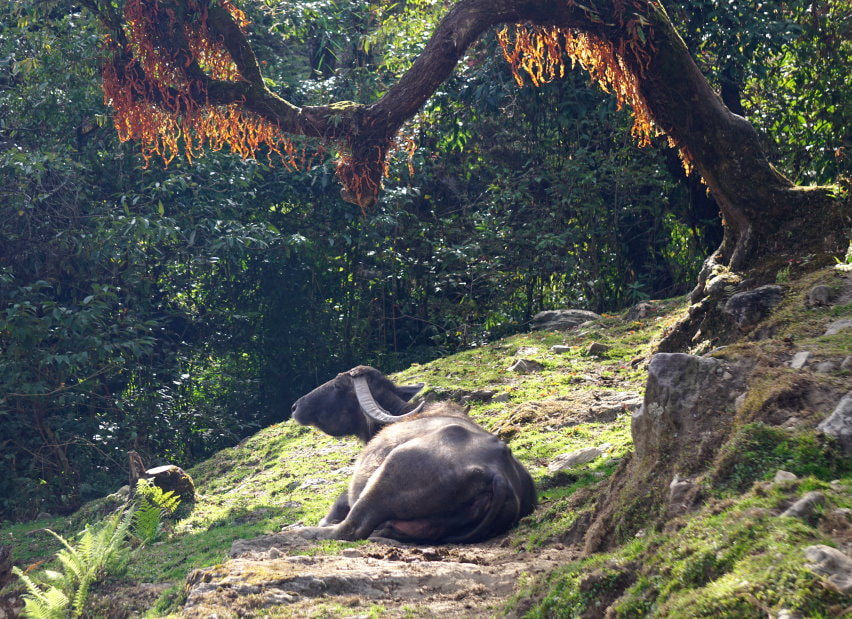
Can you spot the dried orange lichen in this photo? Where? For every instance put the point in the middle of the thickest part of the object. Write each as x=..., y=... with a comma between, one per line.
x=157, y=88
x=615, y=65
x=362, y=179
x=541, y=52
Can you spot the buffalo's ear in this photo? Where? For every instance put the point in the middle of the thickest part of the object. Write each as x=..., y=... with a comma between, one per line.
x=406, y=392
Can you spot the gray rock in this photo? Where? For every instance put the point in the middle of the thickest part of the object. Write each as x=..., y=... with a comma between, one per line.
x=560, y=349
x=596, y=348
x=839, y=423
x=609, y=405
x=786, y=613
x=833, y=564
x=847, y=363
x=838, y=325
x=800, y=359
x=480, y=395
x=526, y=366
x=782, y=476
x=686, y=405
x=501, y=397
x=678, y=490
x=640, y=311
x=806, y=507
x=819, y=295
x=749, y=308
x=825, y=367
x=562, y=320
x=575, y=458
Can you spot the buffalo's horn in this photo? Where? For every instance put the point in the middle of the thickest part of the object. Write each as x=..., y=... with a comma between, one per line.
x=372, y=408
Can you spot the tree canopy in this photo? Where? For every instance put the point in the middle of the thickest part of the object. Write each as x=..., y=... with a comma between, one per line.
x=174, y=309
x=187, y=68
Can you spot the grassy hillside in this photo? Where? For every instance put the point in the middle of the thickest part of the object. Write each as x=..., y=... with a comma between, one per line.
x=733, y=557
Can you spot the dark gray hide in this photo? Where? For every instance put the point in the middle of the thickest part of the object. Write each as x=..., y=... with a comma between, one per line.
x=434, y=476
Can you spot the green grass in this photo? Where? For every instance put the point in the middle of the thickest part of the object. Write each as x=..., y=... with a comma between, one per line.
x=736, y=558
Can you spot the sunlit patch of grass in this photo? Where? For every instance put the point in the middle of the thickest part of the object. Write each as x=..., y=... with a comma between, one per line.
x=736, y=558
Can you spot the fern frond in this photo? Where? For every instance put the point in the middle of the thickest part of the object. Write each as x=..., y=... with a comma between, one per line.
x=51, y=603
x=74, y=567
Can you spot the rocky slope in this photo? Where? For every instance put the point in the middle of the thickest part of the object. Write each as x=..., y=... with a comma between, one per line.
x=659, y=482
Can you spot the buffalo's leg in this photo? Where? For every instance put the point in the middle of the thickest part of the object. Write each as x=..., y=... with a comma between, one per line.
x=412, y=484
x=338, y=511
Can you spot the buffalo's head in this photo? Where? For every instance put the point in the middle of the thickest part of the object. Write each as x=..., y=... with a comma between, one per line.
x=357, y=403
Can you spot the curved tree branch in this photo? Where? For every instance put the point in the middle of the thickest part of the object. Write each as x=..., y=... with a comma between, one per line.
x=724, y=147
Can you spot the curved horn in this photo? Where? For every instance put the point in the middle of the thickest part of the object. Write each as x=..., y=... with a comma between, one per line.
x=372, y=408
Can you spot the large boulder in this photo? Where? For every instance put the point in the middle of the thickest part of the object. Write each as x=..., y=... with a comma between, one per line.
x=562, y=320
x=685, y=417
x=686, y=399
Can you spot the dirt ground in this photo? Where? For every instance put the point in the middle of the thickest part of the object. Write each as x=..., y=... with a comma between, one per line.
x=265, y=578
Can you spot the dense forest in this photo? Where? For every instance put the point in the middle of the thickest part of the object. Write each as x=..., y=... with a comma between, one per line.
x=174, y=306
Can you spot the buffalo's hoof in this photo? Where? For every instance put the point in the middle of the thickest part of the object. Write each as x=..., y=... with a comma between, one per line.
x=313, y=532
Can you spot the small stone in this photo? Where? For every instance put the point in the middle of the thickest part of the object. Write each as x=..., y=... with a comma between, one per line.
x=843, y=512
x=596, y=349
x=819, y=295
x=501, y=397
x=526, y=366
x=480, y=395
x=350, y=552
x=575, y=458
x=825, y=367
x=563, y=319
x=833, y=564
x=740, y=401
x=838, y=325
x=847, y=363
x=800, y=359
x=43, y=516
x=751, y=307
x=785, y=613
x=806, y=507
x=678, y=489
x=839, y=423
x=560, y=349
x=782, y=476
x=172, y=478
x=639, y=311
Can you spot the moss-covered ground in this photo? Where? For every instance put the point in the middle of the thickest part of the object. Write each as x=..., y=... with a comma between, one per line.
x=734, y=557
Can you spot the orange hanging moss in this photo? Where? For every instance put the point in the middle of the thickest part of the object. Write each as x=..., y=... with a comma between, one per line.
x=158, y=94
x=540, y=52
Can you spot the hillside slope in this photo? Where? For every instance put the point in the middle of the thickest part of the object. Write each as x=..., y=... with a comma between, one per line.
x=685, y=522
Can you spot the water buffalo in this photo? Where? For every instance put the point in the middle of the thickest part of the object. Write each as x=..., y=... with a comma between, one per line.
x=427, y=473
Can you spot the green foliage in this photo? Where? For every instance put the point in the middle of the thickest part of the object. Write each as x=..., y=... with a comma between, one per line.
x=757, y=450
x=100, y=549
x=152, y=506
x=786, y=66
